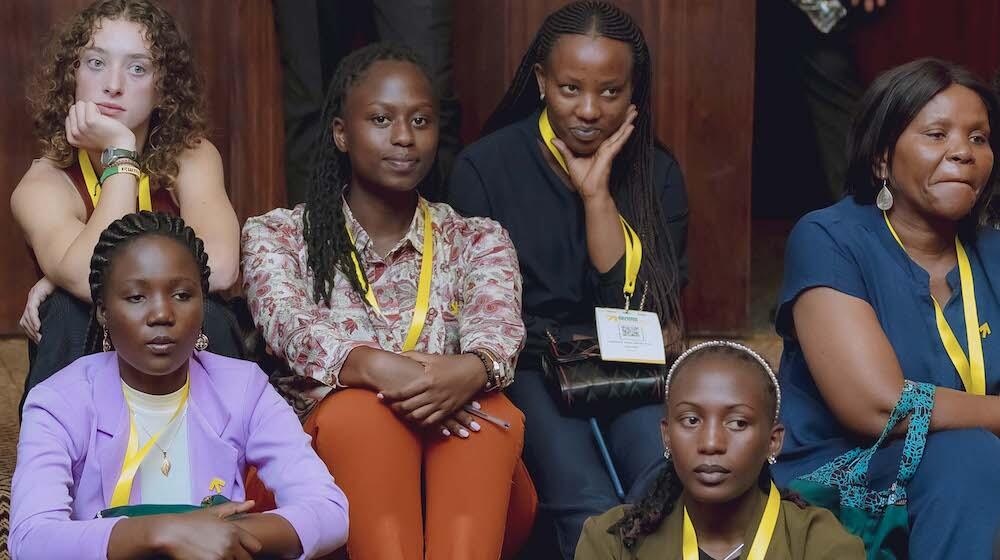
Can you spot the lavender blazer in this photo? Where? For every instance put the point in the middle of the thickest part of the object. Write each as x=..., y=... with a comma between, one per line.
x=73, y=440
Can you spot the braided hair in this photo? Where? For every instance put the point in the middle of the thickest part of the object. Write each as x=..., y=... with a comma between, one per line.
x=646, y=516
x=119, y=234
x=328, y=247
x=631, y=181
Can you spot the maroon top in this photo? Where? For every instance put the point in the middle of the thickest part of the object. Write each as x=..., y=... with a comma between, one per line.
x=160, y=198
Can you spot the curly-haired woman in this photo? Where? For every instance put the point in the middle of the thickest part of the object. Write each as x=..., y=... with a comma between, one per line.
x=119, y=114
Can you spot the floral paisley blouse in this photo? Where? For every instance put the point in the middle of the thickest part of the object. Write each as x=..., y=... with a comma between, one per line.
x=475, y=298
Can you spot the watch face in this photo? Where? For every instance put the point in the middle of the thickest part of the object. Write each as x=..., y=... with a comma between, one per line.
x=111, y=153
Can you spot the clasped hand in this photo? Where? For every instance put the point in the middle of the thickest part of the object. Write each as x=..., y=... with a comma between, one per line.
x=207, y=534
x=436, y=398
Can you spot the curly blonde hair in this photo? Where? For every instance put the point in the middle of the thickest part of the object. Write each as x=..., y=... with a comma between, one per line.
x=178, y=122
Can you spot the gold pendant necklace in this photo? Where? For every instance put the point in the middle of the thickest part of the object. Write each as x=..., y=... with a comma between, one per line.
x=165, y=464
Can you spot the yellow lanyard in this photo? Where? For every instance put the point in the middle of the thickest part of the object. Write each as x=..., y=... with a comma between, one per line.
x=633, y=246
x=423, y=285
x=972, y=370
x=135, y=455
x=761, y=540
x=94, y=186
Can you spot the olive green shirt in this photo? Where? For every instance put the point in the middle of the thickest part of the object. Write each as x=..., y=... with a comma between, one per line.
x=800, y=534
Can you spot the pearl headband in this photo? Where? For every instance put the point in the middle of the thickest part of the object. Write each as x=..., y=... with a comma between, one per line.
x=736, y=346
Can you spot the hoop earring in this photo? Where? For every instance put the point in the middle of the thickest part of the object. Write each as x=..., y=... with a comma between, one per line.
x=106, y=343
x=202, y=343
x=884, y=198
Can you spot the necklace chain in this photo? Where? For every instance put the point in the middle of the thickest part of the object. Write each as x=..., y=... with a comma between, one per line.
x=172, y=423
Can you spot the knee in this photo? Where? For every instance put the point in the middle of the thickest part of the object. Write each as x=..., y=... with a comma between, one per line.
x=63, y=308
x=354, y=409
x=501, y=407
x=977, y=450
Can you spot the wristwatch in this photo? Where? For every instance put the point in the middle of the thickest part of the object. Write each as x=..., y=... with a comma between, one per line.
x=110, y=154
x=496, y=372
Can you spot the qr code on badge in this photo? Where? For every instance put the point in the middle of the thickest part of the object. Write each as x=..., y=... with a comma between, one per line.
x=630, y=332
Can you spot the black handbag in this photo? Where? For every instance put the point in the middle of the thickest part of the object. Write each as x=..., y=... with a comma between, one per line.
x=585, y=385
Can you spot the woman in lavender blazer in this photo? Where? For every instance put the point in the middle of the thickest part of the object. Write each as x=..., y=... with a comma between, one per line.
x=148, y=276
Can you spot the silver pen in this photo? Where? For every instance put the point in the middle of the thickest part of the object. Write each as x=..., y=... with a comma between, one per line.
x=488, y=417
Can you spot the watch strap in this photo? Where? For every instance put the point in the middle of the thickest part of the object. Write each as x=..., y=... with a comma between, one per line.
x=110, y=155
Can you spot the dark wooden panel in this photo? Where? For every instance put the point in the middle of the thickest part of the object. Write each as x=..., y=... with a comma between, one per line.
x=963, y=31
x=235, y=47
x=704, y=112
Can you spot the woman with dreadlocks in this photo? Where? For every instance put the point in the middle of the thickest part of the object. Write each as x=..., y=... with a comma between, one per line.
x=117, y=448
x=715, y=500
x=570, y=153
x=400, y=322
x=119, y=113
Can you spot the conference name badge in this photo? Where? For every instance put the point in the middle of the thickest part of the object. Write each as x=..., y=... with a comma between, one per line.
x=629, y=336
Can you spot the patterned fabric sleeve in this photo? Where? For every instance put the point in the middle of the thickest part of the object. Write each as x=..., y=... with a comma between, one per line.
x=312, y=340
x=491, y=316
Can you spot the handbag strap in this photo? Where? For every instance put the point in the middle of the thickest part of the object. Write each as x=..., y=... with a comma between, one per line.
x=916, y=434
x=917, y=402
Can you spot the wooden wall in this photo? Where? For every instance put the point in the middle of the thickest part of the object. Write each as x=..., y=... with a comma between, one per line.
x=235, y=48
x=703, y=54
x=962, y=31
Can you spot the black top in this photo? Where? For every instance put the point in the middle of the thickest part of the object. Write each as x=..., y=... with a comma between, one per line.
x=504, y=176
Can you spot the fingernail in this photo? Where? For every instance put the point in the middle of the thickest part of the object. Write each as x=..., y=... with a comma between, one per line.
x=445, y=432
x=475, y=405
x=463, y=432
x=474, y=425
x=380, y=396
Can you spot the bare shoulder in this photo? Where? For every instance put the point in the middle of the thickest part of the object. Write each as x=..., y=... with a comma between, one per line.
x=46, y=187
x=202, y=153
x=199, y=173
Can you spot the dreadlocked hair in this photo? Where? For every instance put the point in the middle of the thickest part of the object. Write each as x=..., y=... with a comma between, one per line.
x=328, y=246
x=645, y=517
x=631, y=181
x=119, y=234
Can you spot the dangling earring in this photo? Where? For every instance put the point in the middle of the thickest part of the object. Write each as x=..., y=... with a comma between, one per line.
x=884, y=198
x=666, y=454
x=772, y=460
x=541, y=96
x=106, y=344
x=202, y=343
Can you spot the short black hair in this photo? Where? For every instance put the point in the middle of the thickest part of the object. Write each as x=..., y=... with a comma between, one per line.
x=887, y=108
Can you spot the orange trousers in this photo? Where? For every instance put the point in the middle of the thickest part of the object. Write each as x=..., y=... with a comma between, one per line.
x=416, y=494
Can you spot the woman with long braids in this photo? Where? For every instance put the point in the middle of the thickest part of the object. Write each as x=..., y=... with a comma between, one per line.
x=119, y=113
x=715, y=499
x=117, y=447
x=400, y=323
x=570, y=149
